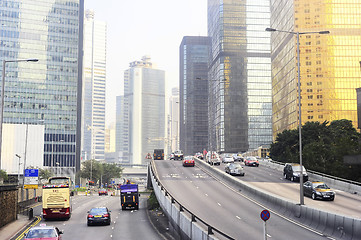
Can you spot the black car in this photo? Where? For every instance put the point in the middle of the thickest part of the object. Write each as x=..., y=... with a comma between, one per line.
x=318, y=190
x=292, y=171
x=100, y=215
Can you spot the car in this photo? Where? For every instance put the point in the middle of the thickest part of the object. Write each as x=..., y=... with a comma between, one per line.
x=43, y=232
x=227, y=158
x=98, y=215
x=213, y=158
x=178, y=155
x=234, y=168
x=237, y=157
x=199, y=155
x=318, y=190
x=292, y=171
x=251, y=161
x=188, y=161
x=103, y=192
x=171, y=157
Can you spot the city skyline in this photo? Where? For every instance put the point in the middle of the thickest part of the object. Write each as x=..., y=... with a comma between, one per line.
x=155, y=29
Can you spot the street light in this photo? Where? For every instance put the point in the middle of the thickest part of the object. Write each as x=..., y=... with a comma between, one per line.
x=2, y=95
x=299, y=96
x=17, y=155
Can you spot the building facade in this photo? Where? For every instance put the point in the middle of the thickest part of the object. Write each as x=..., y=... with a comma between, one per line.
x=239, y=77
x=173, y=121
x=144, y=103
x=193, y=82
x=330, y=70
x=94, y=84
x=46, y=92
x=121, y=127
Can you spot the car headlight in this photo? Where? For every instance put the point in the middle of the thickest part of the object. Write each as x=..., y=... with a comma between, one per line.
x=318, y=193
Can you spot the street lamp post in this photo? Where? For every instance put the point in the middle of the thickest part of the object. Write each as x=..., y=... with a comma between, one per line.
x=17, y=155
x=299, y=97
x=3, y=97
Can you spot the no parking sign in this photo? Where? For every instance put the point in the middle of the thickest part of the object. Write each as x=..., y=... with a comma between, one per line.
x=265, y=215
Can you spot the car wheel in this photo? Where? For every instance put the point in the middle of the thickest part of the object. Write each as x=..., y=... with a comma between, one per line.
x=313, y=196
x=292, y=179
x=88, y=223
x=284, y=176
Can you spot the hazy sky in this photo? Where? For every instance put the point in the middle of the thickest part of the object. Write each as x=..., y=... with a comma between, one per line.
x=146, y=27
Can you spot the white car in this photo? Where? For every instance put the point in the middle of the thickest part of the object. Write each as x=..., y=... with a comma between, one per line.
x=227, y=158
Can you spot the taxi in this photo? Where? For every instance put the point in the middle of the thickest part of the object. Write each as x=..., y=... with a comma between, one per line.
x=188, y=161
x=43, y=232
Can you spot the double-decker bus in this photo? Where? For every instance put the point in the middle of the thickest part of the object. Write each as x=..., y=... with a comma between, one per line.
x=56, y=198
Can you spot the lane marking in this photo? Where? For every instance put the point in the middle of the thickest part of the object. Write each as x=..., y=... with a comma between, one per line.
x=238, y=217
x=206, y=195
x=219, y=204
x=27, y=229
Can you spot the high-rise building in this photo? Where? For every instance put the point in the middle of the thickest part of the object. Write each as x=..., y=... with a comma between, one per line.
x=144, y=104
x=193, y=82
x=94, y=83
x=173, y=123
x=330, y=70
x=46, y=92
x=121, y=127
x=239, y=78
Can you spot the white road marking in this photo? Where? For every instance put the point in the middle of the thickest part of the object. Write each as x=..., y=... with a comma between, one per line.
x=238, y=217
x=206, y=194
x=219, y=204
x=269, y=235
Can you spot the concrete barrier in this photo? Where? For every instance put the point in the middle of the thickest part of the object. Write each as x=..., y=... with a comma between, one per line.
x=183, y=222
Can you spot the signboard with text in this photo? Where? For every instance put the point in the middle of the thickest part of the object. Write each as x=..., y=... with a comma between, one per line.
x=31, y=179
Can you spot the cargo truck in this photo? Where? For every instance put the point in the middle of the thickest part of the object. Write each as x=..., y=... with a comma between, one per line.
x=158, y=154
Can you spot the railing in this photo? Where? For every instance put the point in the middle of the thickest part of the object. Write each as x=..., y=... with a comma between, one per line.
x=194, y=217
x=323, y=174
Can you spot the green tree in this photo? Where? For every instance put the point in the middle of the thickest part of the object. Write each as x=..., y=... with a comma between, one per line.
x=3, y=175
x=44, y=174
x=323, y=147
x=101, y=172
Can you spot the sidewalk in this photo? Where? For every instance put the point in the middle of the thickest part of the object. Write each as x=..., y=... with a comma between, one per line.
x=11, y=229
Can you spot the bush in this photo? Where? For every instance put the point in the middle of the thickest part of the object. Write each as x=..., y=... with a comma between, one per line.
x=153, y=202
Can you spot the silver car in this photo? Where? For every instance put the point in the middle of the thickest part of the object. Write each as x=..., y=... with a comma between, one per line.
x=234, y=169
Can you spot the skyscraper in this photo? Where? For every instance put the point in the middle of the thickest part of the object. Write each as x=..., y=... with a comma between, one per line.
x=144, y=103
x=193, y=65
x=46, y=92
x=94, y=83
x=330, y=70
x=239, y=78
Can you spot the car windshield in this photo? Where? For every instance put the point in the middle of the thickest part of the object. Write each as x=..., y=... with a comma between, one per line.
x=188, y=158
x=178, y=152
x=251, y=158
x=320, y=185
x=95, y=211
x=42, y=233
x=298, y=168
x=235, y=165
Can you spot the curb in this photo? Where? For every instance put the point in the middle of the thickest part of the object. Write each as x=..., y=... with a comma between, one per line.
x=20, y=234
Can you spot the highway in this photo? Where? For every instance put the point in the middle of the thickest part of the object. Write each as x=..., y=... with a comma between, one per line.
x=125, y=224
x=272, y=180
x=223, y=208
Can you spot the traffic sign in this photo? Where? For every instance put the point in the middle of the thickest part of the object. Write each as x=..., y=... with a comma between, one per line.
x=265, y=215
x=31, y=172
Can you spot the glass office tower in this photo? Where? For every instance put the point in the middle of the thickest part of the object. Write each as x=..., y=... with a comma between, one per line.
x=45, y=92
x=94, y=84
x=193, y=102
x=330, y=70
x=240, y=103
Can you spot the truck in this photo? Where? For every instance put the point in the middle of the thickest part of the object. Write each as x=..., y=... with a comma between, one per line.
x=158, y=154
x=129, y=196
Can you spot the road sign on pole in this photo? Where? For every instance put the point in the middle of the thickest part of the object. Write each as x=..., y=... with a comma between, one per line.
x=31, y=178
x=265, y=215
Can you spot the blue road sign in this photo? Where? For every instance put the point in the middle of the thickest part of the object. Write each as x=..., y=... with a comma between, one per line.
x=31, y=172
x=265, y=215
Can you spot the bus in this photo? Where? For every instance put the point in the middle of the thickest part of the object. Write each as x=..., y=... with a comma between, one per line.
x=56, y=198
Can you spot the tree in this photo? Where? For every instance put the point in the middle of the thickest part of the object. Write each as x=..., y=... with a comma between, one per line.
x=44, y=174
x=3, y=175
x=101, y=172
x=323, y=147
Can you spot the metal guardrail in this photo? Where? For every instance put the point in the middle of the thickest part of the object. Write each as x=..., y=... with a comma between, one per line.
x=322, y=174
x=194, y=217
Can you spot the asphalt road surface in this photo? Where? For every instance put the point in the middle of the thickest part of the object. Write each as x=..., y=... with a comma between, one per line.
x=128, y=224
x=224, y=208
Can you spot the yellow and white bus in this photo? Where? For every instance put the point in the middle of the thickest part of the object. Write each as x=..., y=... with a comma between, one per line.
x=56, y=198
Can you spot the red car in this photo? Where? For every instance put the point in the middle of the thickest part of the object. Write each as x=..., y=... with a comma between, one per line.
x=251, y=161
x=103, y=192
x=43, y=232
x=188, y=161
